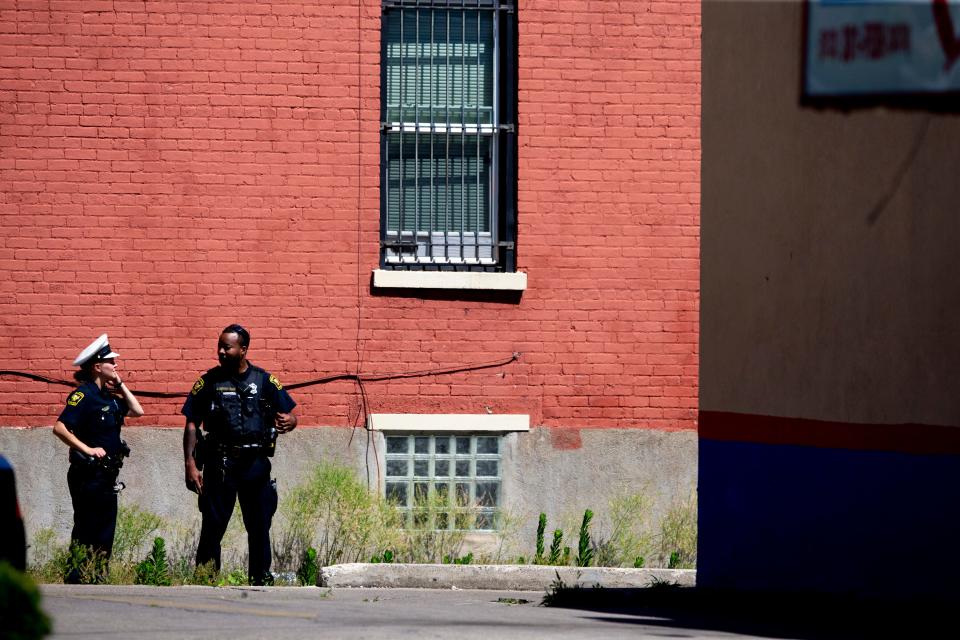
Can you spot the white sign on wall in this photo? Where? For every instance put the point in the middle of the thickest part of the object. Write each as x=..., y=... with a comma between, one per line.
x=880, y=47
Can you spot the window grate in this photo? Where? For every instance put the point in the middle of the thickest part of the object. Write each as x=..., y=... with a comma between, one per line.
x=443, y=136
x=496, y=5
x=445, y=482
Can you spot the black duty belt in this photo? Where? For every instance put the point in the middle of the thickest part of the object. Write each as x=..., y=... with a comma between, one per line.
x=106, y=463
x=265, y=445
x=111, y=462
x=223, y=449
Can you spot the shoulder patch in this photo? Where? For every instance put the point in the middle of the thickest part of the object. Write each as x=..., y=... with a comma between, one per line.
x=75, y=398
x=197, y=386
x=275, y=382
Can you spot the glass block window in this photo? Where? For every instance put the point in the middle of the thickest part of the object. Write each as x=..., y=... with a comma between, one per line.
x=448, y=167
x=445, y=481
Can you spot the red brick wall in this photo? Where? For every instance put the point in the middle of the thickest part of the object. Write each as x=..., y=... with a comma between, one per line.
x=167, y=168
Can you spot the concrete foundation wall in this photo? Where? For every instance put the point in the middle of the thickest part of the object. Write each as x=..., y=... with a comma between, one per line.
x=542, y=472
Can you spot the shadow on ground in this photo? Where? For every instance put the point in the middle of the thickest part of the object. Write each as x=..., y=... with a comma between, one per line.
x=774, y=616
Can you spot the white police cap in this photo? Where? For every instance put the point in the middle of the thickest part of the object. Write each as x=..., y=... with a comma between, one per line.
x=97, y=350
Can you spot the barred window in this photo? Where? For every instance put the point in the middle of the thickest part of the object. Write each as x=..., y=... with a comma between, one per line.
x=448, y=143
x=446, y=482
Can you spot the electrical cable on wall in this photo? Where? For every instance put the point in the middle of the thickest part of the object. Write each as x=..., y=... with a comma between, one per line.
x=363, y=408
x=360, y=379
x=356, y=377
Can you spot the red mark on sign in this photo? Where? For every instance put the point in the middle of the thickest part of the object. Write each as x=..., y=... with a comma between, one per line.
x=946, y=32
x=870, y=41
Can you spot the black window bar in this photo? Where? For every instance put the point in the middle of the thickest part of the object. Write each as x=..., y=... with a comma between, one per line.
x=448, y=135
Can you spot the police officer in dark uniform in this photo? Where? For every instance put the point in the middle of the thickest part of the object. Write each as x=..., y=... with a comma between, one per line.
x=242, y=408
x=90, y=425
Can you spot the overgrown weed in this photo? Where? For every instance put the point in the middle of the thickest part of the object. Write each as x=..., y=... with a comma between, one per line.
x=630, y=540
x=334, y=513
x=426, y=538
x=678, y=534
x=628, y=537
x=52, y=560
x=20, y=610
x=333, y=518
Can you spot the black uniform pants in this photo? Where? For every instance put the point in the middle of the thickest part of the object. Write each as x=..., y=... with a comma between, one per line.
x=94, y=511
x=249, y=480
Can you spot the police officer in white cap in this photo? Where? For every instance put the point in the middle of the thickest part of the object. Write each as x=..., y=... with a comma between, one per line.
x=90, y=425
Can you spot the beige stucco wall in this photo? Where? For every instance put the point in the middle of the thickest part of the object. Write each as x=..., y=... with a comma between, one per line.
x=830, y=250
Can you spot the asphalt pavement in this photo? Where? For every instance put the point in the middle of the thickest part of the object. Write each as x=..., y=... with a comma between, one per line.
x=280, y=613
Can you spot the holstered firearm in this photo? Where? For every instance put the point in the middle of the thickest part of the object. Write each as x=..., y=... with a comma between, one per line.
x=200, y=450
x=110, y=462
x=269, y=442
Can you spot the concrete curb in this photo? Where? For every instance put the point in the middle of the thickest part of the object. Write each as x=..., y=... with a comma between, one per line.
x=495, y=577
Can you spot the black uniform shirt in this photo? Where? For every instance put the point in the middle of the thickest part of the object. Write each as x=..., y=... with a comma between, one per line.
x=200, y=401
x=95, y=416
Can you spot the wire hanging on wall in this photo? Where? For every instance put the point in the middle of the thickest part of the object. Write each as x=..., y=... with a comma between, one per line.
x=375, y=377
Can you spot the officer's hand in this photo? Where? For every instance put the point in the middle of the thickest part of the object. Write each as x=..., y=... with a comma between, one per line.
x=97, y=452
x=286, y=422
x=193, y=478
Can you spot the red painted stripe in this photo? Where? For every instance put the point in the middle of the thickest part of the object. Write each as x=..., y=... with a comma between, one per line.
x=900, y=438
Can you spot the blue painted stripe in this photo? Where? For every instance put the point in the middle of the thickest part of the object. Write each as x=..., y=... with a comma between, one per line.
x=782, y=517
